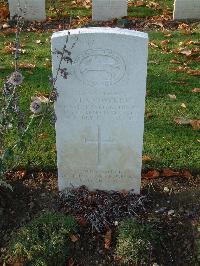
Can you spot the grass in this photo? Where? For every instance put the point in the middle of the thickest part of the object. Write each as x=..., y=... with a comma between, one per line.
x=44, y=241
x=165, y=142
x=135, y=242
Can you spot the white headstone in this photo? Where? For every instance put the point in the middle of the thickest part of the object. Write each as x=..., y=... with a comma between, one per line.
x=100, y=107
x=186, y=9
x=29, y=9
x=108, y=9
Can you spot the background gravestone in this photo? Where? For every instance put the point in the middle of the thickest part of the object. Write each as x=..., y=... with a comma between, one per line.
x=186, y=9
x=100, y=108
x=108, y=9
x=29, y=9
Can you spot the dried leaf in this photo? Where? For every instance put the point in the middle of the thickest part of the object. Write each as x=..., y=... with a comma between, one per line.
x=139, y=3
x=168, y=172
x=26, y=66
x=146, y=158
x=70, y=262
x=174, y=61
x=151, y=174
x=194, y=72
x=149, y=115
x=107, y=239
x=73, y=238
x=4, y=12
x=182, y=121
x=195, y=124
x=180, y=69
x=20, y=174
x=38, y=41
x=153, y=45
x=153, y=5
x=196, y=90
x=186, y=173
x=81, y=220
x=183, y=105
x=172, y=96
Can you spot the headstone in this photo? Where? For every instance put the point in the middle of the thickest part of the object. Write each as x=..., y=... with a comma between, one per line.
x=29, y=9
x=103, y=10
x=186, y=9
x=100, y=107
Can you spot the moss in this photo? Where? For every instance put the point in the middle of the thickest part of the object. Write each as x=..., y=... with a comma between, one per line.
x=45, y=241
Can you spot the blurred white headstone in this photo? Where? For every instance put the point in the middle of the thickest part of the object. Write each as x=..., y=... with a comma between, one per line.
x=29, y=9
x=186, y=9
x=108, y=9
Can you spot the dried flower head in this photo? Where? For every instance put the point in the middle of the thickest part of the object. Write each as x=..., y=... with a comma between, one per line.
x=36, y=106
x=16, y=78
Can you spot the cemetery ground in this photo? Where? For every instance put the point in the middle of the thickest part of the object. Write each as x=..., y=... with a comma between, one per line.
x=170, y=185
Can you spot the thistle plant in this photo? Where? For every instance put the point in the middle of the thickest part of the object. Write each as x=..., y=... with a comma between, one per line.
x=12, y=119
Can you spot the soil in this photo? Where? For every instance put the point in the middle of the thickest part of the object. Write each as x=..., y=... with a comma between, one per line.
x=172, y=203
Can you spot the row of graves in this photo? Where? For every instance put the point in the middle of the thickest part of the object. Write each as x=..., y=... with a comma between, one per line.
x=102, y=10
x=100, y=77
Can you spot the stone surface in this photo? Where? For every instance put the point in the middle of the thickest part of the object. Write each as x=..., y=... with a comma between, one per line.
x=100, y=108
x=29, y=9
x=186, y=9
x=103, y=10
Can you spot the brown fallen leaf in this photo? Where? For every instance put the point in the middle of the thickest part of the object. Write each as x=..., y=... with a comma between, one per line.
x=107, y=239
x=186, y=173
x=153, y=5
x=73, y=238
x=81, y=220
x=180, y=69
x=149, y=115
x=196, y=90
x=169, y=35
x=26, y=66
x=184, y=28
x=174, y=61
x=192, y=122
x=165, y=42
x=169, y=173
x=194, y=72
x=4, y=12
x=195, y=124
x=146, y=158
x=18, y=264
x=189, y=42
x=139, y=3
x=153, y=45
x=182, y=121
x=151, y=174
x=70, y=262
x=186, y=52
x=197, y=59
x=20, y=174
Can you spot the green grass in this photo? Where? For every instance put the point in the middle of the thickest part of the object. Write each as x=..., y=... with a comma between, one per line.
x=44, y=241
x=141, y=12
x=168, y=144
x=136, y=241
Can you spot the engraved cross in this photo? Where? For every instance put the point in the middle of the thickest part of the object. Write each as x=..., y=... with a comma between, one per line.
x=99, y=143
